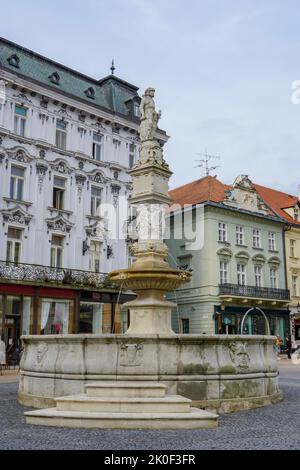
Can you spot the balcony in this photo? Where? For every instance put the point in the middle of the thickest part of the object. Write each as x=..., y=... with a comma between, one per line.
x=236, y=290
x=46, y=274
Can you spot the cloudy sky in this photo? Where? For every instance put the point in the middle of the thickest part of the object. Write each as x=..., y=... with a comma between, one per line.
x=223, y=71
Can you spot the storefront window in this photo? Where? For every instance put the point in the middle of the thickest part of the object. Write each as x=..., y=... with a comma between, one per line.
x=27, y=321
x=90, y=317
x=12, y=324
x=54, y=317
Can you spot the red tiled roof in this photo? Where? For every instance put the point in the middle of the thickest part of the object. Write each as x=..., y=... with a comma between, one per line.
x=205, y=189
x=211, y=189
x=278, y=201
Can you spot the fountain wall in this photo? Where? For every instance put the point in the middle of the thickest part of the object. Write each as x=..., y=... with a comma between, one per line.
x=217, y=372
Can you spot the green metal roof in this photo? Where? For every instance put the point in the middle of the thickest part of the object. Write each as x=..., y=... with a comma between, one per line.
x=111, y=92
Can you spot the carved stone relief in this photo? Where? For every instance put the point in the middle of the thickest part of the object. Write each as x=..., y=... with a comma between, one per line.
x=131, y=355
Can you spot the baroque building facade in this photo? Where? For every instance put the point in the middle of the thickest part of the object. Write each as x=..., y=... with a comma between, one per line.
x=233, y=242
x=67, y=142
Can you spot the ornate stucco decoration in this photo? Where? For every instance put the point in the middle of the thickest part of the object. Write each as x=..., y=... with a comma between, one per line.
x=61, y=167
x=59, y=224
x=22, y=97
x=41, y=169
x=115, y=190
x=97, y=230
x=19, y=154
x=243, y=195
x=63, y=113
x=44, y=117
x=16, y=215
x=97, y=177
x=80, y=180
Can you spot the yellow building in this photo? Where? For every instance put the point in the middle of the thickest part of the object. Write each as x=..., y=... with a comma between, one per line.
x=288, y=207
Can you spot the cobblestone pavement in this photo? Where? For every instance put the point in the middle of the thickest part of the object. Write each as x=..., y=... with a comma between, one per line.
x=271, y=427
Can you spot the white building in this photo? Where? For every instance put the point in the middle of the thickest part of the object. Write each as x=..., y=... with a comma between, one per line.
x=66, y=143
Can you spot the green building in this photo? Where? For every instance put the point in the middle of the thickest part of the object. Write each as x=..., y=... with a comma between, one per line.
x=233, y=243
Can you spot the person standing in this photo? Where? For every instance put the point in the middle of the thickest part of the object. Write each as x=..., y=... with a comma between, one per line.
x=278, y=343
x=288, y=344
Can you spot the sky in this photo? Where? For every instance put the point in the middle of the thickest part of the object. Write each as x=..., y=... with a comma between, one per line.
x=223, y=71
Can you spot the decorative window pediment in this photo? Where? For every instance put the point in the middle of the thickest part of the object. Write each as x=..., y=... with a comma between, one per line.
x=90, y=93
x=274, y=261
x=19, y=154
x=61, y=167
x=16, y=215
x=59, y=224
x=54, y=78
x=225, y=253
x=258, y=259
x=14, y=61
x=97, y=177
x=242, y=257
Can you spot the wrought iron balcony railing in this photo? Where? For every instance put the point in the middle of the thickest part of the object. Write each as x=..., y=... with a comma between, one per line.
x=252, y=291
x=45, y=274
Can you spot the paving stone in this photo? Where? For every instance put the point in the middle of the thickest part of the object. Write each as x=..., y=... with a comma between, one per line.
x=271, y=427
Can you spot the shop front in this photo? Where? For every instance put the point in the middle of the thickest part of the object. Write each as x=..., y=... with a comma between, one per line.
x=27, y=310
x=229, y=320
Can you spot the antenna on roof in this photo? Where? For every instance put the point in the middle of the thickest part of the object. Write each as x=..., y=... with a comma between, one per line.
x=112, y=68
x=204, y=162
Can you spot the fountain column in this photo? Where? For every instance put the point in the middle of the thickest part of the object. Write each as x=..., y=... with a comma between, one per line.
x=150, y=276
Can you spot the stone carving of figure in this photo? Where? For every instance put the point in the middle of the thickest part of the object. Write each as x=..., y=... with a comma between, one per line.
x=149, y=117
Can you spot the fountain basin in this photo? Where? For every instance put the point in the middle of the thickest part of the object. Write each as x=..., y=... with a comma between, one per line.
x=217, y=372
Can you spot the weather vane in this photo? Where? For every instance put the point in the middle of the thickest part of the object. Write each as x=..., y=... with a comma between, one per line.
x=112, y=68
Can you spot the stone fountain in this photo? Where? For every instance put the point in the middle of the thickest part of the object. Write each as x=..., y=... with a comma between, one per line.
x=149, y=377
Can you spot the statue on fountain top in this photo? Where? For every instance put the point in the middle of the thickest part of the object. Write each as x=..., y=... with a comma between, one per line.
x=151, y=151
x=149, y=117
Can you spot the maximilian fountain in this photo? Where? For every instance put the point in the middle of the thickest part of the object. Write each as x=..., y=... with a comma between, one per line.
x=148, y=377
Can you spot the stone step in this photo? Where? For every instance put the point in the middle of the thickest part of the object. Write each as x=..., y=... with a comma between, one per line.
x=84, y=403
x=194, y=419
x=125, y=389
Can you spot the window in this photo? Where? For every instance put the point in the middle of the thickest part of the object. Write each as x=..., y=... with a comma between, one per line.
x=256, y=238
x=222, y=232
x=136, y=109
x=61, y=135
x=240, y=235
x=54, y=318
x=273, y=278
x=56, y=251
x=258, y=276
x=241, y=274
x=223, y=272
x=20, y=120
x=296, y=213
x=13, y=247
x=95, y=201
x=58, y=192
x=94, y=262
x=272, y=241
x=97, y=146
x=131, y=155
x=292, y=248
x=185, y=324
x=16, y=183
x=294, y=286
